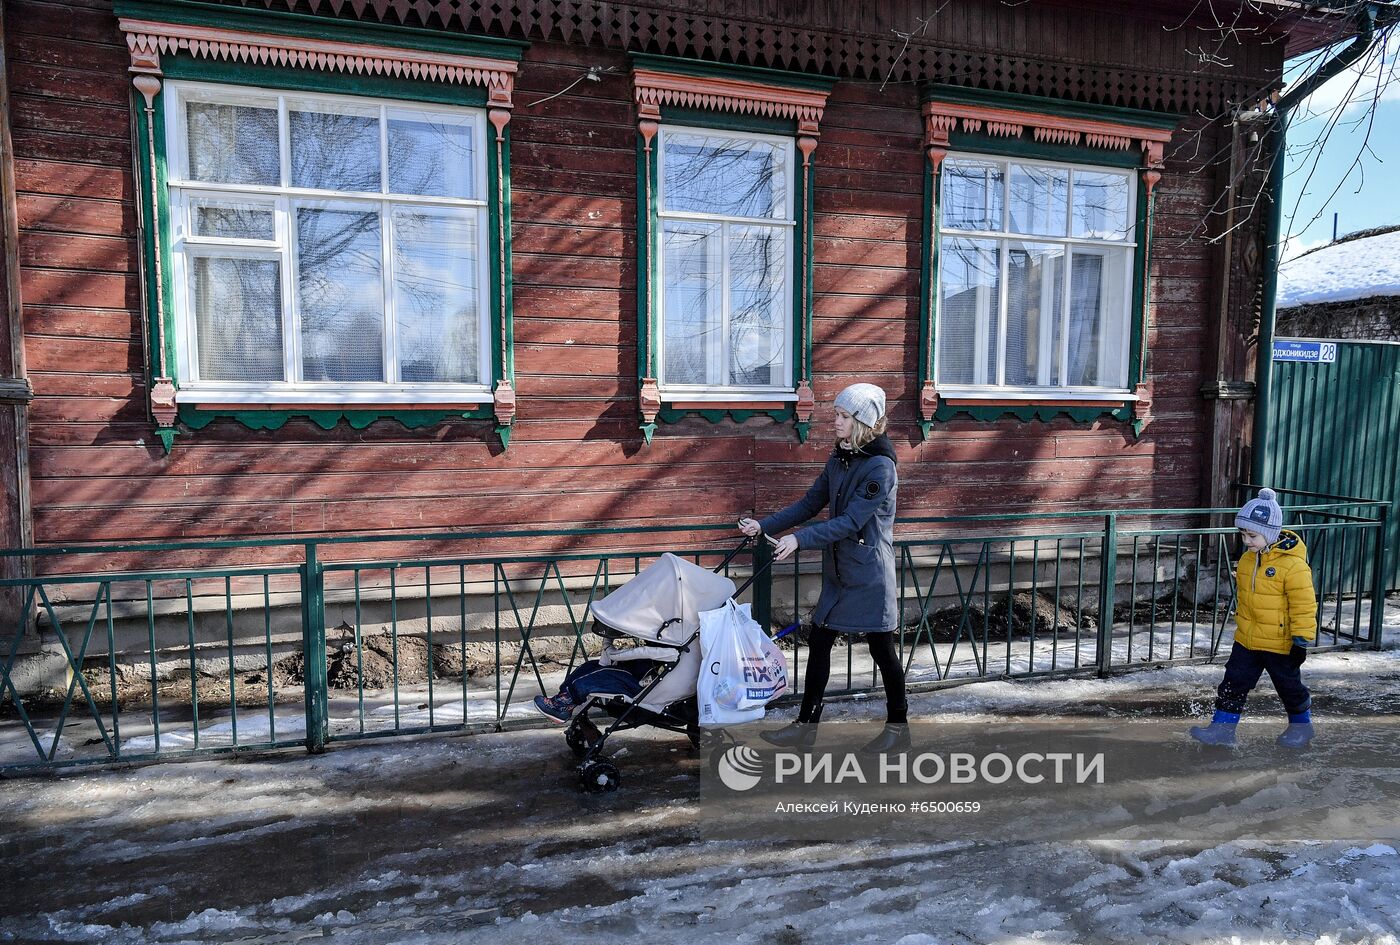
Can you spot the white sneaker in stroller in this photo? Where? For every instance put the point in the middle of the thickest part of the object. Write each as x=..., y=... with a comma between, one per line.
x=660, y=608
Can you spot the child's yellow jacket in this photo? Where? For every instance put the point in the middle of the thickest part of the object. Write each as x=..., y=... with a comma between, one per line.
x=1276, y=601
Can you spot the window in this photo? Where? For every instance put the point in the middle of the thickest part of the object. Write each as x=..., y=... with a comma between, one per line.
x=727, y=221
x=724, y=240
x=1035, y=276
x=327, y=248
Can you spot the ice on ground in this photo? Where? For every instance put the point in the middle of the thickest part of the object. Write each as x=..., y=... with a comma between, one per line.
x=485, y=839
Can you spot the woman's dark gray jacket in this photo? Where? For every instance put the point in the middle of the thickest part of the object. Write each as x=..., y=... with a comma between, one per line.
x=857, y=539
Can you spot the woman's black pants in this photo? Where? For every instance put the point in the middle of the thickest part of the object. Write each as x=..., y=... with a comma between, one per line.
x=882, y=649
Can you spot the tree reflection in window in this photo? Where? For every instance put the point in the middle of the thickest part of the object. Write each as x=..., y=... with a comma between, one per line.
x=725, y=318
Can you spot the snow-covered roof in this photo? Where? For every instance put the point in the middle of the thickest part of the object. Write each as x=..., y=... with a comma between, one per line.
x=1351, y=268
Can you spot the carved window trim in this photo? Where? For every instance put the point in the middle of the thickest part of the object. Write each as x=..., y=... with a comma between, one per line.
x=744, y=94
x=307, y=44
x=1045, y=128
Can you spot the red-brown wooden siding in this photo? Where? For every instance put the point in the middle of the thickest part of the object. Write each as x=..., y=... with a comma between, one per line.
x=576, y=454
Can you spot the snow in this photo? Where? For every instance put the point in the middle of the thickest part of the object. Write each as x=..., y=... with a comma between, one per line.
x=485, y=839
x=1341, y=272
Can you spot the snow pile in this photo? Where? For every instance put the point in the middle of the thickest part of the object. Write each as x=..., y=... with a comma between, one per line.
x=1341, y=272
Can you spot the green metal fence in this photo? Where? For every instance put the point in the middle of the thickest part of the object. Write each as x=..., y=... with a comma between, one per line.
x=1334, y=428
x=305, y=643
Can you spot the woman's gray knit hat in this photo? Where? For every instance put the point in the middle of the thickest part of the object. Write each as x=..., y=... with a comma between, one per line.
x=1262, y=515
x=865, y=402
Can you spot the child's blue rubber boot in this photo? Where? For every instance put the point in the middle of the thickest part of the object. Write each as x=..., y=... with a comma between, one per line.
x=1220, y=731
x=1299, y=731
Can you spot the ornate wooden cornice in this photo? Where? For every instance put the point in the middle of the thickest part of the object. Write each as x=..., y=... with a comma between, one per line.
x=148, y=40
x=943, y=118
x=655, y=88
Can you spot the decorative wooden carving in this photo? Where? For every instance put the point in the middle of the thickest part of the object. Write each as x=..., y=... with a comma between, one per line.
x=655, y=89
x=1049, y=49
x=928, y=401
x=148, y=40
x=806, y=402
x=940, y=118
x=504, y=403
x=651, y=400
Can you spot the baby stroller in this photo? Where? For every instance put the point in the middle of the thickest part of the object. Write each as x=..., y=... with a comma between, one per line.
x=660, y=608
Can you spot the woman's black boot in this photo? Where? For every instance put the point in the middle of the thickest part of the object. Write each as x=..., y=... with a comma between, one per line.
x=800, y=734
x=892, y=740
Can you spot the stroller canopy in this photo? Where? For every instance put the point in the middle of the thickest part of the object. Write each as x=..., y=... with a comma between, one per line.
x=669, y=588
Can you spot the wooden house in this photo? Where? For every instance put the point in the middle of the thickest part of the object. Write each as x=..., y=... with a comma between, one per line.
x=289, y=269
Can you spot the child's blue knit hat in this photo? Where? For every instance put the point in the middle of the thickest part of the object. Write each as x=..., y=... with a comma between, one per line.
x=1262, y=515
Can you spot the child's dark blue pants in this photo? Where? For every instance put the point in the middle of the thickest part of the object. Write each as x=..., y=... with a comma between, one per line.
x=1242, y=673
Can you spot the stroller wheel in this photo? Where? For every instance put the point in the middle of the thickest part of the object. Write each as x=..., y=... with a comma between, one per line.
x=580, y=735
x=598, y=777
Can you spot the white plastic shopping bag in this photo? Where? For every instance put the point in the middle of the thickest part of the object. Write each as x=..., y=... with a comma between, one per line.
x=741, y=669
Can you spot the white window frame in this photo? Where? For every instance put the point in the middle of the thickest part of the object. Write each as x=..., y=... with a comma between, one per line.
x=1003, y=238
x=782, y=391
x=183, y=193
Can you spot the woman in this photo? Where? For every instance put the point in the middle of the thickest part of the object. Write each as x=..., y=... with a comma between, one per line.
x=858, y=575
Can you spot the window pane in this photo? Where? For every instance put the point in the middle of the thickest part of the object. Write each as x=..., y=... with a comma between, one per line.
x=238, y=318
x=1034, y=290
x=692, y=320
x=436, y=312
x=725, y=176
x=1039, y=200
x=1101, y=205
x=431, y=155
x=233, y=144
x=1098, y=318
x=335, y=150
x=339, y=286
x=971, y=198
x=969, y=298
x=232, y=220
x=757, y=321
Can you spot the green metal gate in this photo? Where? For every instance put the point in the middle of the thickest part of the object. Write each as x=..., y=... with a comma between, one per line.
x=1335, y=428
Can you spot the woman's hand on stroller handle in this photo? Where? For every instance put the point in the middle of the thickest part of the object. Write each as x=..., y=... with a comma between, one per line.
x=784, y=547
x=750, y=527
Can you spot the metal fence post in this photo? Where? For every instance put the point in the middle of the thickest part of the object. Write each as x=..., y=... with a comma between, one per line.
x=1379, y=577
x=1108, y=591
x=313, y=639
x=763, y=586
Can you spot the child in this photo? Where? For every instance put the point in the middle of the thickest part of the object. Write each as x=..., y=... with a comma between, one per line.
x=858, y=569
x=617, y=670
x=1275, y=618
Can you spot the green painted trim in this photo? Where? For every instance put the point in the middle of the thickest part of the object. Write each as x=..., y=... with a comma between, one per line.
x=196, y=418
x=646, y=310
x=319, y=27
x=502, y=292
x=1143, y=225
x=725, y=70
x=1032, y=411
x=309, y=80
x=982, y=143
x=164, y=225
x=961, y=95
x=672, y=415
x=804, y=247
x=728, y=121
x=928, y=299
